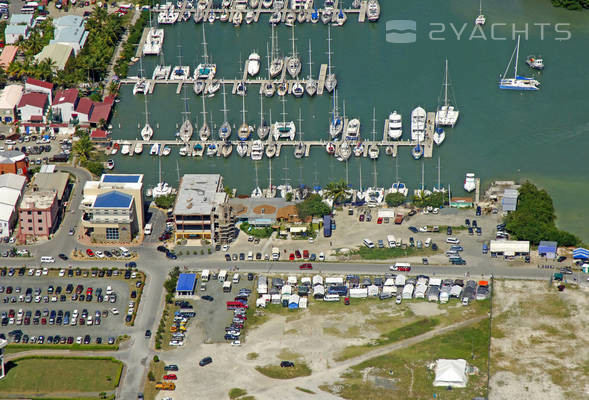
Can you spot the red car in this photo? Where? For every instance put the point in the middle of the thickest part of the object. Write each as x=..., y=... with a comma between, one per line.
x=43, y=321
x=406, y=269
x=297, y=254
x=170, y=377
x=347, y=301
x=90, y=253
x=88, y=291
x=242, y=317
x=379, y=220
x=306, y=266
x=291, y=257
x=361, y=218
x=305, y=253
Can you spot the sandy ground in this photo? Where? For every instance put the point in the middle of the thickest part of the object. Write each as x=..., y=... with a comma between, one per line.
x=316, y=337
x=540, y=345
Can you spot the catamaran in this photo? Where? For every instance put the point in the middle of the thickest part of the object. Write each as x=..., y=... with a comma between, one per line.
x=147, y=131
x=186, y=128
x=447, y=115
x=284, y=129
x=418, y=124
x=517, y=82
x=142, y=85
x=480, y=20
x=395, y=125
x=225, y=129
x=205, y=70
x=398, y=187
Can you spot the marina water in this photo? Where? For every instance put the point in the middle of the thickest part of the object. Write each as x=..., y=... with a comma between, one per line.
x=542, y=136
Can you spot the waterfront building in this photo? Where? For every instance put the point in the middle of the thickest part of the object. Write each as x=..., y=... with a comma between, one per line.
x=38, y=213
x=11, y=189
x=202, y=210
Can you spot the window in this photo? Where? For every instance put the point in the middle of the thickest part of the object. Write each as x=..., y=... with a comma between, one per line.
x=40, y=221
x=39, y=212
x=28, y=213
x=112, y=233
x=30, y=220
x=30, y=228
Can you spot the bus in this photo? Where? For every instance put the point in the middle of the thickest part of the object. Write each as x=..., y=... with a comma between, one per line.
x=327, y=225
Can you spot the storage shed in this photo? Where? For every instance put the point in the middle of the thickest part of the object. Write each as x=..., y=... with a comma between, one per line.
x=510, y=247
x=547, y=249
x=359, y=293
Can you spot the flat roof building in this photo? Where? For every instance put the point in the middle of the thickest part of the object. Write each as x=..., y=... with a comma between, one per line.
x=186, y=284
x=70, y=30
x=510, y=247
x=8, y=55
x=38, y=214
x=9, y=99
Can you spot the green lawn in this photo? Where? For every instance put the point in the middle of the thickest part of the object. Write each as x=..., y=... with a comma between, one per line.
x=35, y=375
x=388, y=253
x=277, y=372
x=408, y=372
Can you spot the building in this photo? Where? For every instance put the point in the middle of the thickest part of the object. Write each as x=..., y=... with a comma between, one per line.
x=99, y=136
x=509, y=248
x=202, y=211
x=9, y=99
x=186, y=284
x=37, y=86
x=547, y=249
x=3, y=343
x=14, y=162
x=64, y=105
x=257, y=211
x=69, y=30
x=58, y=181
x=59, y=53
x=21, y=19
x=113, y=208
x=13, y=33
x=509, y=200
x=11, y=190
x=83, y=111
x=451, y=373
x=38, y=213
x=461, y=202
x=8, y=55
x=32, y=106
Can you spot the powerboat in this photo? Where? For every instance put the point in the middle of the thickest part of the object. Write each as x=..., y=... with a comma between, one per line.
x=271, y=149
x=395, y=125
x=330, y=148
x=297, y=89
x=299, y=150
x=211, y=149
x=469, y=182
x=373, y=10
x=166, y=151
x=183, y=151
x=138, y=148
x=535, y=62
x=358, y=149
x=439, y=135
x=110, y=164
x=353, y=129
x=373, y=151
x=253, y=66
x=417, y=151
x=418, y=117
x=257, y=150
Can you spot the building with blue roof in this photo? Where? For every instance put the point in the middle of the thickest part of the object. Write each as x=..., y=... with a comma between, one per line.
x=113, y=208
x=186, y=285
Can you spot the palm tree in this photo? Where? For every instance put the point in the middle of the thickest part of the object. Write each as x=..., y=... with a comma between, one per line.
x=83, y=148
x=337, y=191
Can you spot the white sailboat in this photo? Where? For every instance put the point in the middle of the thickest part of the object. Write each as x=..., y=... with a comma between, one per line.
x=138, y=148
x=277, y=63
x=147, y=131
x=270, y=191
x=284, y=129
x=257, y=192
x=311, y=84
x=162, y=188
x=373, y=150
x=398, y=186
x=517, y=82
x=481, y=19
x=205, y=131
x=241, y=149
x=336, y=125
x=299, y=148
x=225, y=129
x=395, y=125
x=263, y=128
x=285, y=188
x=439, y=187
x=186, y=128
x=439, y=135
x=126, y=148
x=447, y=114
x=293, y=63
x=330, y=79
x=245, y=130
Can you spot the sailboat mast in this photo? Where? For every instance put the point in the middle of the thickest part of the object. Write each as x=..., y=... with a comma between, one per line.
x=270, y=175
x=481, y=7
x=310, y=63
x=328, y=49
x=516, y=57
x=224, y=104
x=243, y=109
x=373, y=123
x=261, y=110
x=375, y=174
x=422, y=176
x=146, y=113
x=360, y=169
x=439, y=186
x=283, y=110
x=268, y=57
x=300, y=129
x=178, y=171
x=446, y=86
x=204, y=111
x=293, y=45
x=204, y=45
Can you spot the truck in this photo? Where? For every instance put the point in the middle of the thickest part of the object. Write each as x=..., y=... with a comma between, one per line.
x=275, y=253
x=222, y=275
x=391, y=240
x=227, y=286
x=399, y=219
x=327, y=225
x=205, y=276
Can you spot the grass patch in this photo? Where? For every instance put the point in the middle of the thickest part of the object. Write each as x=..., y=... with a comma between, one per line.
x=45, y=375
x=394, y=252
x=277, y=372
x=404, y=332
x=18, y=348
x=408, y=368
x=156, y=370
x=252, y=356
x=234, y=393
x=304, y=390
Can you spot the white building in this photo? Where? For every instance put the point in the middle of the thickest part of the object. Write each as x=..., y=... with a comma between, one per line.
x=451, y=373
x=70, y=30
x=32, y=107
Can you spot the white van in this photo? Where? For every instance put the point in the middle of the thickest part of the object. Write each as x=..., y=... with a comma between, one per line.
x=124, y=251
x=369, y=243
x=400, y=266
x=452, y=240
x=236, y=278
x=250, y=256
x=147, y=229
x=47, y=259
x=428, y=242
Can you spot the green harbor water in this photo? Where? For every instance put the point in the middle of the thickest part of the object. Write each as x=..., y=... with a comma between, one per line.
x=501, y=135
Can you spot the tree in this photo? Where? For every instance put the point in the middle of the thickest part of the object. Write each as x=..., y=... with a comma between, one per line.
x=96, y=168
x=337, y=191
x=288, y=196
x=394, y=199
x=312, y=206
x=83, y=148
x=166, y=201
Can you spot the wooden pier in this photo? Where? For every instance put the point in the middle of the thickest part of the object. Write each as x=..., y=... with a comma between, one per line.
x=429, y=134
x=322, y=76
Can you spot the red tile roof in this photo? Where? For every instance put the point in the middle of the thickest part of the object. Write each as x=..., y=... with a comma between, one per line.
x=100, y=111
x=110, y=99
x=65, y=96
x=37, y=82
x=33, y=99
x=98, y=134
x=84, y=106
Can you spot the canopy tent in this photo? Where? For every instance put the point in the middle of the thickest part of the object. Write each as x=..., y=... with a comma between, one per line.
x=451, y=373
x=581, y=253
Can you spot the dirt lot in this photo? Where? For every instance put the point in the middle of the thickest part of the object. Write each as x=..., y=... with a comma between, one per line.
x=332, y=326
x=540, y=342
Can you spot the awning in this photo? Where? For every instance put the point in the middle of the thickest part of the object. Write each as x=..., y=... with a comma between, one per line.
x=581, y=253
x=298, y=229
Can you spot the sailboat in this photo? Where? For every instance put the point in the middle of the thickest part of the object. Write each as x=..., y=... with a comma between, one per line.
x=438, y=187
x=330, y=79
x=373, y=150
x=395, y=125
x=311, y=84
x=422, y=191
x=205, y=132
x=180, y=72
x=439, y=135
x=245, y=130
x=399, y=187
x=225, y=129
x=162, y=188
x=480, y=20
x=299, y=148
x=147, y=131
x=345, y=151
x=205, y=70
x=285, y=188
x=293, y=63
x=374, y=195
x=138, y=148
x=447, y=115
x=161, y=71
x=257, y=192
x=263, y=128
x=270, y=191
x=242, y=148
x=277, y=63
x=417, y=151
x=284, y=130
x=142, y=85
x=517, y=82
x=186, y=127
x=336, y=125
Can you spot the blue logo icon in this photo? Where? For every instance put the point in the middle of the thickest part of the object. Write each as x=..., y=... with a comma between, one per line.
x=403, y=31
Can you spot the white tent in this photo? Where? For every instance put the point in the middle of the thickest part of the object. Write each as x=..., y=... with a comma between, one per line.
x=451, y=373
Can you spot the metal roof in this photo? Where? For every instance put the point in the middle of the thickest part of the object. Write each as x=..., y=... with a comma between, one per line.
x=547, y=247
x=186, y=283
x=112, y=178
x=114, y=199
x=12, y=181
x=57, y=181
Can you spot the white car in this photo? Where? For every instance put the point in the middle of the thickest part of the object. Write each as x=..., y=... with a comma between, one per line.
x=133, y=275
x=45, y=271
x=452, y=240
x=236, y=343
x=62, y=272
x=114, y=311
x=321, y=257
x=423, y=229
x=20, y=312
x=89, y=320
x=79, y=340
x=37, y=299
x=31, y=272
x=108, y=289
x=225, y=247
x=53, y=299
x=176, y=343
x=99, y=254
x=38, y=272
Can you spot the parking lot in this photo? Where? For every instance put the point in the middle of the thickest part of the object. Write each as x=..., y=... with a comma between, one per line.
x=76, y=306
x=214, y=315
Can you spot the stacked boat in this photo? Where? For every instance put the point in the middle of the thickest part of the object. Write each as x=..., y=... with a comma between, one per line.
x=168, y=14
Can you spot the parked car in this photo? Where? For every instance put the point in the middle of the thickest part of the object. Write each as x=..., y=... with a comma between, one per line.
x=205, y=361
x=306, y=266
